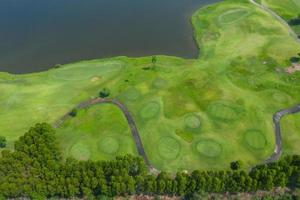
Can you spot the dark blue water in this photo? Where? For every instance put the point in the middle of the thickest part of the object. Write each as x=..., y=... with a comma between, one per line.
x=37, y=34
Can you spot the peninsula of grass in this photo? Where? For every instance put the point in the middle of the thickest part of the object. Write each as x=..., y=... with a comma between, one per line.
x=191, y=113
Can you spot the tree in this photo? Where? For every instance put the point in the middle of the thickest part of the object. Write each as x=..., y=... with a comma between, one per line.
x=154, y=60
x=104, y=93
x=2, y=142
x=236, y=165
x=36, y=169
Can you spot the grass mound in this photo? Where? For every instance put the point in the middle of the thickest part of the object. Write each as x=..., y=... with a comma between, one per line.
x=255, y=139
x=225, y=111
x=208, y=148
x=279, y=96
x=232, y=16
x=132, y=94
x=150, y=110
x=109, y=145
x=192, y=121
x=80, y=151
x=168, y=148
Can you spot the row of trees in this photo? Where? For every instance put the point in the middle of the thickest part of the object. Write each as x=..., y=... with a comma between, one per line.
x=36, y=169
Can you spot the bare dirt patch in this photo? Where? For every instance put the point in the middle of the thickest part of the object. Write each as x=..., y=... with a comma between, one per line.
x=292, y=69
x=95, y=78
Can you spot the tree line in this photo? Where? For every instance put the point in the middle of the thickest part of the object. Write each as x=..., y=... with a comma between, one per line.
x=36, y=169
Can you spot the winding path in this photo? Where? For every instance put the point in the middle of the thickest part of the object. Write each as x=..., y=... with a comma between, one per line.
x=138, y=142
x=282, y=21
x=130, y=121
x=134, y=131
x=278, y=115
x=278, y=140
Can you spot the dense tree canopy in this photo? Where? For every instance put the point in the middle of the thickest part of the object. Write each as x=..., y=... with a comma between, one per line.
x=36, y=168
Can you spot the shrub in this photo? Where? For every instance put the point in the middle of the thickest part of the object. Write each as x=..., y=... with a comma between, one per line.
x=73, y=112
x=104, y=93
x=236, y=165
x=2, y=142
x=57, y=66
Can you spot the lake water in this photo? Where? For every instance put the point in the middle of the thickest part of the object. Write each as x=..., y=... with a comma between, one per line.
x=37, y=34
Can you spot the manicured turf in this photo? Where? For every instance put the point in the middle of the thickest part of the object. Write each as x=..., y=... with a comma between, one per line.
x=201, y=113
x=98, y=132
x=209, y=148
x=233, y=15
x=255, y=139
x=287, y=9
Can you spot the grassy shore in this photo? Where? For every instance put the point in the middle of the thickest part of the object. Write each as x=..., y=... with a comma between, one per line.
x=201, y=113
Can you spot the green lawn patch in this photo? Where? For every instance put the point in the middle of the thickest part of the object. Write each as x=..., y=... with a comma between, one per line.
x=190, y=113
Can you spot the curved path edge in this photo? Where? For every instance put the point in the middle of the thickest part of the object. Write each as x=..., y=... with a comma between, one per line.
x=138, y=142
x=276, y=16
x=277, y=128
x=129, y=118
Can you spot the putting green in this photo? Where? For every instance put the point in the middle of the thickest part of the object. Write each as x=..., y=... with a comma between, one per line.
x=209, y=148
x=192, y=121
x=225, y=111
x=109, y=145
x=233, y=15
x=132, y=94
x=168, y=148
x=80, y=151
x=150, y=110
x=255, y=139
x=82, y=71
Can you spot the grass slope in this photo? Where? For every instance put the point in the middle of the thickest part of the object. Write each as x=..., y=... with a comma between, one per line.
x=286, y=9
x=201, y=113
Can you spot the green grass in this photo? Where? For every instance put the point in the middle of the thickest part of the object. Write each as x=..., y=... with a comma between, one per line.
x=97, y=132
x=287, y=9
x=191, y=113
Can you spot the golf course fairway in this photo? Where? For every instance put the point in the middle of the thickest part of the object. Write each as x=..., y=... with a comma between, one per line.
x=197, y=113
